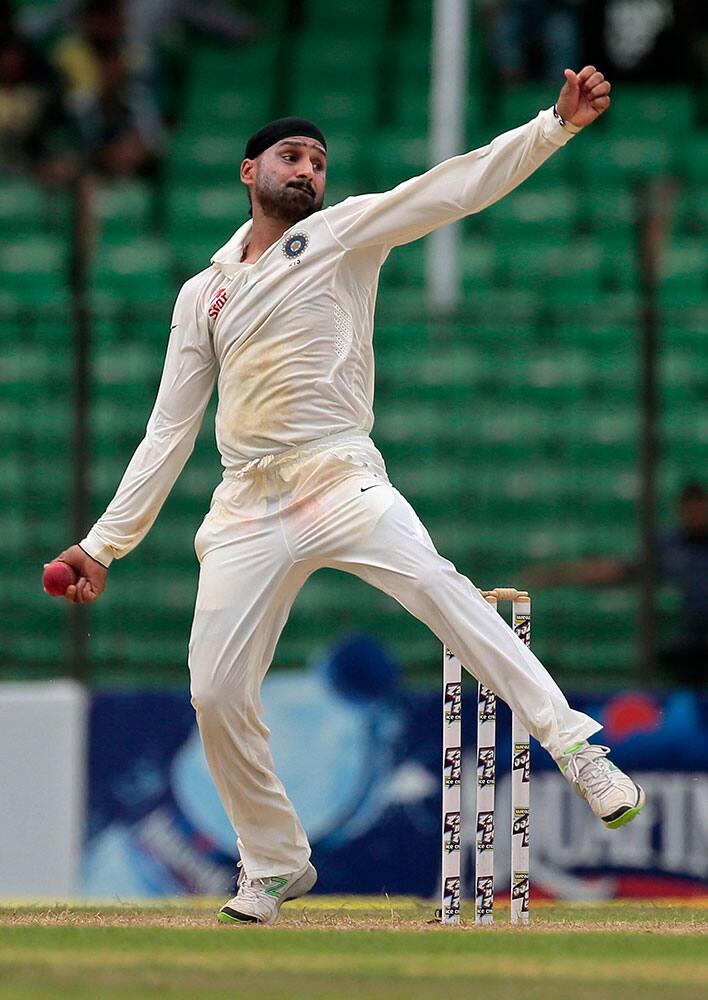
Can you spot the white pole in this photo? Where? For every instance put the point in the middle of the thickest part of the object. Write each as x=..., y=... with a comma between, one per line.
x=448, y=95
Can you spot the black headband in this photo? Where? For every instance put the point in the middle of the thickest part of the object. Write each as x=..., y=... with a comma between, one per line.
x=281, y=128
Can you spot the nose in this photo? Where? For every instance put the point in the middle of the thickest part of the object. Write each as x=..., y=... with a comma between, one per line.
x=304, y=169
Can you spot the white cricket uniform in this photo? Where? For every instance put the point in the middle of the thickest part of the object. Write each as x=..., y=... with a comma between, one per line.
x=289, y=340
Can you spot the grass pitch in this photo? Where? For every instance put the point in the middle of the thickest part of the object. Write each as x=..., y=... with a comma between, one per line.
x=326, y=948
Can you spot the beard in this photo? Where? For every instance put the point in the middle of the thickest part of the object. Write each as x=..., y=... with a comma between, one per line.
x=289, y=202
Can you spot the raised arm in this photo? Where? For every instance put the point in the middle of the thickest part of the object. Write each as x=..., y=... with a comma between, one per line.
x=469, y=183
x=185, y=389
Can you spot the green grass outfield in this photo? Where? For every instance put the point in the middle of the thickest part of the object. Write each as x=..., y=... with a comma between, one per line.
x=326, y=948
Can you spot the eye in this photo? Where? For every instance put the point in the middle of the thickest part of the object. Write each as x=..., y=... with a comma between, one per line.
x=318, y=166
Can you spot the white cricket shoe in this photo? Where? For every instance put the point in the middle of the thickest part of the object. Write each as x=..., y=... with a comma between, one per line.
x=258, y=900
x=610, y=793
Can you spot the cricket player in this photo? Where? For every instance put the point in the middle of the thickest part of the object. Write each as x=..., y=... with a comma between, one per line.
x=282, y=321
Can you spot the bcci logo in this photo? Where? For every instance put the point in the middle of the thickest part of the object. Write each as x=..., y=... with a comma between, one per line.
x=295, y=245
x=485, y=766
x=451, y=832
x=485, y=896
x=453, y=703
x=520, y=889
x=520, y=825
x=485, y=831
x=487, y=704
x=453, y=767
x=522, y=761
x=522, y=627
x=451, y=896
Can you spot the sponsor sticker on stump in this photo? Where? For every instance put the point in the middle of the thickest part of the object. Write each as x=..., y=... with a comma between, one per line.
x=453, y=703
x=452, y=832
x=522, y=761
x=453, y=766
x=487, y=704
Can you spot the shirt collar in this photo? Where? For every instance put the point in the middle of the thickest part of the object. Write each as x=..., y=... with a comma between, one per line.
x=228, y=258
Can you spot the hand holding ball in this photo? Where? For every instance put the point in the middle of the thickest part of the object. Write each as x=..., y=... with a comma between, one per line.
x=57, y=578
x=75, y=575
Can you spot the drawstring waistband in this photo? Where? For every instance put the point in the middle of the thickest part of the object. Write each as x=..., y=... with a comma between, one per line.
x=259, y=465
x=255, y=465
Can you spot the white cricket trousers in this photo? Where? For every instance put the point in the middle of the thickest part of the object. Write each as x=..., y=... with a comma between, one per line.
x=268, y=528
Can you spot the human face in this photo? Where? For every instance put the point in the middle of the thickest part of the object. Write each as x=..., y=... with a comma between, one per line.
x=287, y=181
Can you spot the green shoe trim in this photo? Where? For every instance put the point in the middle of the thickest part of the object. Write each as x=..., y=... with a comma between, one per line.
x=568, y=751
x=626, y=817
x=276, y=890
x=226, y=918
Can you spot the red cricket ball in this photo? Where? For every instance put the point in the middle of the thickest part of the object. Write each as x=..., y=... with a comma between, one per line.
x=57, y=577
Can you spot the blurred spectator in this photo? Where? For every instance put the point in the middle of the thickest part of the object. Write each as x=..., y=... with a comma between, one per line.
x=133, y=36
x=652, y=40
x=34, y=131
x=642, y=40
x=682, y=556
x=535, y=39
x=93, y=60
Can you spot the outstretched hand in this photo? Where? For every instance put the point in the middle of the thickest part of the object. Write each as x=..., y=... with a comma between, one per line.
x=584, y=96
x=92, y=575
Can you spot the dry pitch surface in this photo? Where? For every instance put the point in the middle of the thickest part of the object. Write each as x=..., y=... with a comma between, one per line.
x=336, y=949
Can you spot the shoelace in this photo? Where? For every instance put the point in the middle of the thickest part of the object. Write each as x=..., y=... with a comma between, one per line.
x=248, y=888
x=590, y=763
x=252, y=889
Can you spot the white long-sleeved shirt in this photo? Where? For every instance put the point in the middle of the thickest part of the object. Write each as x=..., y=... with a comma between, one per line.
x=289, y=338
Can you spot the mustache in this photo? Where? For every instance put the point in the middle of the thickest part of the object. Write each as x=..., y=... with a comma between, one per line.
x=304, y=186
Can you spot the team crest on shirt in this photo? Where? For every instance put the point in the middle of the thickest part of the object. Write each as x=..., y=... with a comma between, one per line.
x=295, y=245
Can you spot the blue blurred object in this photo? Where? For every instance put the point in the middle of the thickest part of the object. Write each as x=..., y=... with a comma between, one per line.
x=360, y=669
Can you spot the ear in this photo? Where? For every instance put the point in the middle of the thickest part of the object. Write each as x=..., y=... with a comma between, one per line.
x=248, y=172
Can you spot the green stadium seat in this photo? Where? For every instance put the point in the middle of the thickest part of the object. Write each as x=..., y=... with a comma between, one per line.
x=345, y=153
x=35, y=261
x=324, y=16
x=521, y=104
x=23, y=206
x=330, y=57
x=193, y=255
x=134, y=270
x=336, y=108
x=646, y=110
x=604, y=207
x=231, y=107
x=693, y=159
x=226, y=65
x=202, y=158
x=534, y=211
x=124, y=207
x=399, y=156
x=206, y=207
x=685, y=268
x=411, y=95
x=691, y=209
x=625, y=157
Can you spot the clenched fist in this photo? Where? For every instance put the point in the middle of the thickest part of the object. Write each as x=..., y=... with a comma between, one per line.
x=584, y=97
